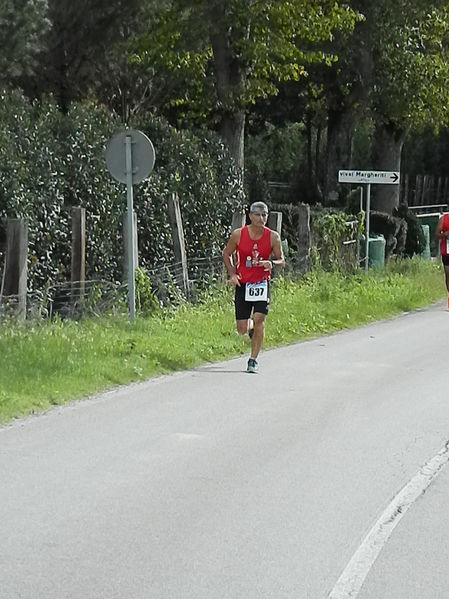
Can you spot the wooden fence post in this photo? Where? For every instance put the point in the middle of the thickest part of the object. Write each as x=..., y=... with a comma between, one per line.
x=304, y=237
x=275, y=221
x=427, y=190
x=174, y=215
x=439, y=194
x=238, y=220
x=78, y=275
x=418, y=190
x=16, y=272
x=125, y=245
x=446, y=191
x=405, y=189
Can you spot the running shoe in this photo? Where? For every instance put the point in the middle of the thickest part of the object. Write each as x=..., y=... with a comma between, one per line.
x=252, y=366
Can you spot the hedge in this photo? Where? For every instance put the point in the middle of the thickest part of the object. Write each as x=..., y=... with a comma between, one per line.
x=50, y=162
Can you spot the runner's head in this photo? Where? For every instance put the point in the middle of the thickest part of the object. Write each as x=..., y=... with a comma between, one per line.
x=260, y=207
x=258, y=214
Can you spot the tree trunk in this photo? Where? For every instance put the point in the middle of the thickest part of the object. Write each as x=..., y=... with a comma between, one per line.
x=318, y=152
x=387, y=149
x=230, y=81
x=308, y=123
x=232, y=132
x=348, y=98
x=340, y=133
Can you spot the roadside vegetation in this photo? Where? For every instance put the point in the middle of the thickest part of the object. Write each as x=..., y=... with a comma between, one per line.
x=49, y=363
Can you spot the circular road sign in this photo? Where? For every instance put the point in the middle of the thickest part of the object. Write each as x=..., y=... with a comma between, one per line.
x=143, y=155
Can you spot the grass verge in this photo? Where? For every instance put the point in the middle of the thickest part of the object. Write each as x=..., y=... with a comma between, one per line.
x=44, y=364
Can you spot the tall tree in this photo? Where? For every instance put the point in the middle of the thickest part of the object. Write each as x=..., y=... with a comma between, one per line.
x=347, y=87
x=77, y=43
x=123, y=82
x=410, y=85
x=237, y=52
x=396, y=66
x=23, y=24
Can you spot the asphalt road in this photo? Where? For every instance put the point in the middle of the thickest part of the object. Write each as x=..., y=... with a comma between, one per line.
x=216, y=484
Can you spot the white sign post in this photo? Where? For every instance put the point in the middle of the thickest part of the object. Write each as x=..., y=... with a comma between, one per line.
x=130, y=159
x=369, y=178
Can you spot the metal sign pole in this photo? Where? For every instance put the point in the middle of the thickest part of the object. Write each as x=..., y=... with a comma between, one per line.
x=361, y=198
x=130, y=159
x=129, y=195
x=368, y=207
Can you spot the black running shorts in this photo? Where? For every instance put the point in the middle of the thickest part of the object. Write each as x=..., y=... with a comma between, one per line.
x=445, y=260
x=244, y=309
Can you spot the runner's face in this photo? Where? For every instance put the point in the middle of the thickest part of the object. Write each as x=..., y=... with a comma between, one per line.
x=258, y=219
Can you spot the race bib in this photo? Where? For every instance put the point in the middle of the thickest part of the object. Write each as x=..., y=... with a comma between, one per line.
x=256, y=292
x=447, y=246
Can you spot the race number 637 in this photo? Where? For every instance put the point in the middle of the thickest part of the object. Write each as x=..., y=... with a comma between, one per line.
x=256, y=292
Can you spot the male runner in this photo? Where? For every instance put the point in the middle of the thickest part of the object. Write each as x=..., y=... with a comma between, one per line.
x=257, y=249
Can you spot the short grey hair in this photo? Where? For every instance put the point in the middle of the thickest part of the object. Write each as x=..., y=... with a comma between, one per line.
x=258, y=206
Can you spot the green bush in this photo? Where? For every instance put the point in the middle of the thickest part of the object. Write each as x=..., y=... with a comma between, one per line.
x=393, y=228
x=145, y=299
x=50, y=162
x=415, y=242
x=335, y=239
x=276, y=154
x=31, y=166
x=208, y=185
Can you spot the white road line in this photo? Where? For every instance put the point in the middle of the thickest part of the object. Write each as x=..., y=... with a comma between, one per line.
x=350, y=582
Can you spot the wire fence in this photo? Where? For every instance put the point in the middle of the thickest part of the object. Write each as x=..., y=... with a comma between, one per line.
x=165, y=283
x=67, y=300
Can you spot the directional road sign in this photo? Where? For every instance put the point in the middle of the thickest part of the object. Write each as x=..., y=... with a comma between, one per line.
x=370, y=177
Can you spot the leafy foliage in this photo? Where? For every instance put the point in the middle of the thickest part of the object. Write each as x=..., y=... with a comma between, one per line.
x=269, y=42
x=23, y=24
x=412, y=67
x=209, y=187
x=74, y=52
x=145, y=299
x=402, y=231
x=394, y=230
x=334, y=236
x=30, y=166
x=50, y=161
x=415, y=242
x=274, y=154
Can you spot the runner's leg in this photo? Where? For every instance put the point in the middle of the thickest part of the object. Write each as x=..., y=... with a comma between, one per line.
x=242, y=326
x=242, y=310
x=258, y=335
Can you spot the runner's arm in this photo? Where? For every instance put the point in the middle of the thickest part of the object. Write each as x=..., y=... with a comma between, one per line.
x=277, y=255
x=276, y=250
x=227, y=254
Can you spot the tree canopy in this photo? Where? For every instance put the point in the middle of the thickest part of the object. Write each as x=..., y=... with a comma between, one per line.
x=232, y=53
x=23, y=24
x=329, y=65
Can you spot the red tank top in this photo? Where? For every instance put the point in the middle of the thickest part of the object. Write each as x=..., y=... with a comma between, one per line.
x=249, y=252
x=444, y=241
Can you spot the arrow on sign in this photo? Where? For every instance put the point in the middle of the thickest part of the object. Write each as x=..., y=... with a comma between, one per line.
x=395, y=177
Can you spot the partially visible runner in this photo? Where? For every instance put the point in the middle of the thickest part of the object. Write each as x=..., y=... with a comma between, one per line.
x=442, y=233
x=256, y=249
